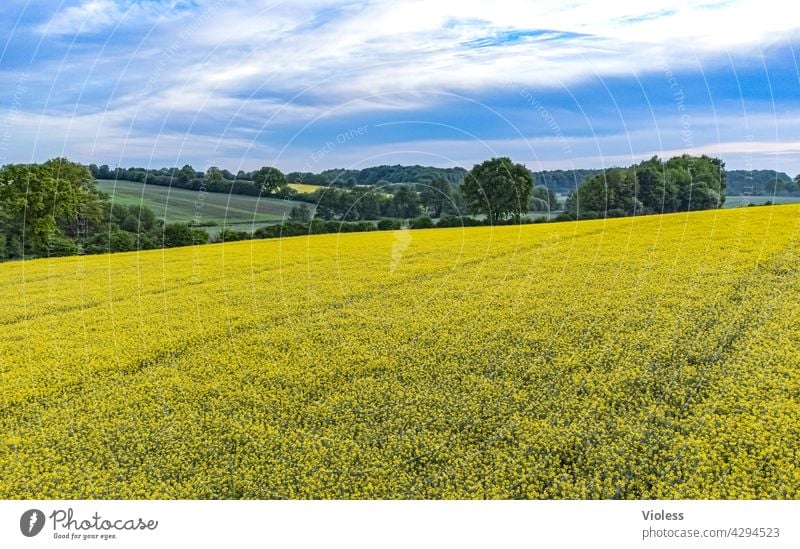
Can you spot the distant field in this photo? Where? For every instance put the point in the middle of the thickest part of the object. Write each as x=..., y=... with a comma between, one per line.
x=303, y=188
x=737, y=201
x=181, y=206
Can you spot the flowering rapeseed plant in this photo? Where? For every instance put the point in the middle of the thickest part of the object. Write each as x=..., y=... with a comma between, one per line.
x=651, y=357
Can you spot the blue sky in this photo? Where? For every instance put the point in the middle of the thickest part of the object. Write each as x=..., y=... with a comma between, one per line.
x=313, y=84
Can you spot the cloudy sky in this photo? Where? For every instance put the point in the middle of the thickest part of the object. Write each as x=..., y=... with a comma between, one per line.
x=314, y=84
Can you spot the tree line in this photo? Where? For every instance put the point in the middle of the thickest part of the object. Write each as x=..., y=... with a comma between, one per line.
x=682, y=183
x=435, y=192
x=390, y=179
x=54, y=209
x=762, y=183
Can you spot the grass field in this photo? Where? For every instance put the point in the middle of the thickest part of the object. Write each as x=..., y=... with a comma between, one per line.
x=648, y=357
x=181, y=206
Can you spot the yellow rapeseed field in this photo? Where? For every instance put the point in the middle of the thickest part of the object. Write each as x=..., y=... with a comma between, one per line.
x=304, y=188
x=651, y=357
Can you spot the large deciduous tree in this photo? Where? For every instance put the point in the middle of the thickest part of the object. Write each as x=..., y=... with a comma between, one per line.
x=498, y=188
x=269, y=179
x=43, y=205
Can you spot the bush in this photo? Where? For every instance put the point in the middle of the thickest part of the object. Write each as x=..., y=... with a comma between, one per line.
x=317, y=226
x=121, y=241
x=365, y=226
x=456, y=221
x=199, y=237
x=293, y=228
x=423, y=222
x=332, y=226
x=563, y=216
x=179, y=234
x=356, y=227
x=146, y=241
x=60, y=245
x=390, y=224
x=616, y=212
x=228, y=235
x=265, y=232
x=288, y=228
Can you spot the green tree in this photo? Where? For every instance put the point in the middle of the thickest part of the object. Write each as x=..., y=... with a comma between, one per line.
x=215, y=175
x=41, y=203
x=681, y=183
x=301, y=214
x=179, y=234
x=656, y=192
x=369, y=203
x=613, y=189
x=185, y=175
x=269, y=179
x=543, y=200
x=435, y=196
x=404, y=203
x=498, y=188
x=700, y=181
x=456, y=205
x=121, y=241
x=138, y=219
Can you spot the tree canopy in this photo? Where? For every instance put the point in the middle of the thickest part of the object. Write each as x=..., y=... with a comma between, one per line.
x=682, y=183
x=498, y=188
x=435, y=196
x=269, y=179
x=43, y=205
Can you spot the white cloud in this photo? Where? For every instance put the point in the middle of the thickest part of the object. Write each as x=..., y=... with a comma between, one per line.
x=253, y=64
x=342, y=49
x=339, y=51
x=94, y=15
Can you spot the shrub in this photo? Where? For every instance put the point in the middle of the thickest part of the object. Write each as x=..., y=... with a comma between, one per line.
x=179, y=234
x=456, y=221
x=389, y=224
x=60, y=245
x=228, y=235
x=423, y=222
